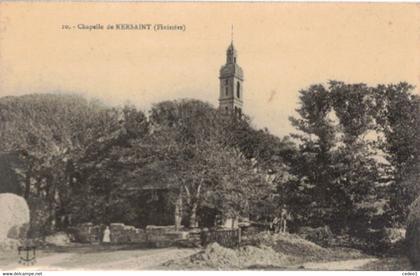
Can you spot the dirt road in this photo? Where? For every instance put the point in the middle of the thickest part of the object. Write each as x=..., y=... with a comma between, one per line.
x=338, y=265
x=148, y=259
x=43, y=263
x=116, y=260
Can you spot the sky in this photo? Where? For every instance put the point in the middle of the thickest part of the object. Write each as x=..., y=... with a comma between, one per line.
x=282, y=48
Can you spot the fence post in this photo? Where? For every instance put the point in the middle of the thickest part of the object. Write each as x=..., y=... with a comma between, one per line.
x=239, y=236
x=204, y=236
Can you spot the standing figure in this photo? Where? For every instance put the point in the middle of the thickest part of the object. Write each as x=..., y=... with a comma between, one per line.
x=107, y=235
x=283, y=220
x=276, y=224
x=270, y=227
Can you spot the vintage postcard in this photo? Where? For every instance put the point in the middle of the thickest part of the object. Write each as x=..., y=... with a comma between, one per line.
x=209, y=136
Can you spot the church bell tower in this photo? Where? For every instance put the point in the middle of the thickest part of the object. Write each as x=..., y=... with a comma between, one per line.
x=231, y=84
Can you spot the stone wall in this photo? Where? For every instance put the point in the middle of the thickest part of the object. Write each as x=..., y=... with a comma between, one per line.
x=161, y=236
x=121, y=234
x=87, y=233
x=224, y=237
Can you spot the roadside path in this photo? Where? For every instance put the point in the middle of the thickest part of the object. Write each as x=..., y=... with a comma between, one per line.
x=116, y=260
x=43, y=263
x=338, y=265
x=149, y=259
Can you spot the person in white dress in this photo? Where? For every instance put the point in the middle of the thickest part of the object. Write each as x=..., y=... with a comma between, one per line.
x=107, y=235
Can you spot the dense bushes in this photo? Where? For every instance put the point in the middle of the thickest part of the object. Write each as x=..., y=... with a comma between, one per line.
x=319, y=235
x=413, y=234
x=356, y=169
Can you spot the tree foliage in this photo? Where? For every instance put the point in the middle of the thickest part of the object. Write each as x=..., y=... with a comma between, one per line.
x=357, y=166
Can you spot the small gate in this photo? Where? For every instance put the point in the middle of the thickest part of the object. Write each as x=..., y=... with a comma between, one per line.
x=225, y=237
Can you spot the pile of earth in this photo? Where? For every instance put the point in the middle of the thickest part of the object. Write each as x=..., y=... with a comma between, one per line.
x=222, y=258
x=301, y=250
x=263, y=250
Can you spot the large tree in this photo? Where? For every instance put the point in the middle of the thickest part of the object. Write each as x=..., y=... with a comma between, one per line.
x=49, y=132
x=356, y=180
x=397, y=115
x=211, y=171
x=311, y=196
x=358, y=154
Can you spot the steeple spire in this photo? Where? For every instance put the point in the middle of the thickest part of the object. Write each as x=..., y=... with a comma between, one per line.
x=231, y=51
x=231, y=35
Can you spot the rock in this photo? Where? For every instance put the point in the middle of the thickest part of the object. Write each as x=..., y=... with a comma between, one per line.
x=14, y=216
x=412, y=235
x=60, y=239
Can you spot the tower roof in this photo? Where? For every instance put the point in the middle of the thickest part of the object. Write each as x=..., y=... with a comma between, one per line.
x=231, y=68
x=231, y=53
x=231, y=47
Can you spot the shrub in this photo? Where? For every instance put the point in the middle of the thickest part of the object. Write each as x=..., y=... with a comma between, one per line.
x=320, y=235
x=413, y=234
